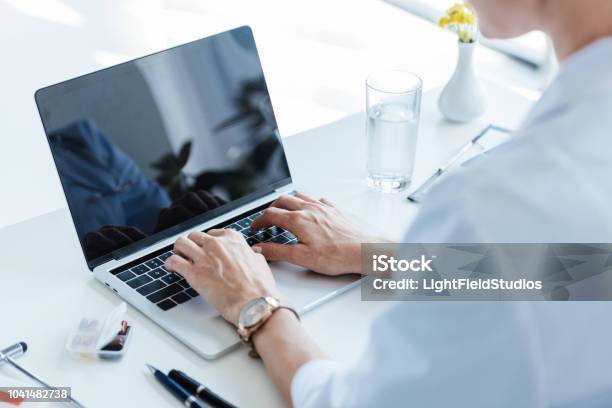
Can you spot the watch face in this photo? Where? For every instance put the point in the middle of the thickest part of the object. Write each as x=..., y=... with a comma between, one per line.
x=253, y=314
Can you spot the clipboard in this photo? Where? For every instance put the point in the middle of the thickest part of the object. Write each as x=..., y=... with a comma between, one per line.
x=477, y=148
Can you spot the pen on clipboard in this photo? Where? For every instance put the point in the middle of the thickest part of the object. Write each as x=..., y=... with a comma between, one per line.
x=417, y=195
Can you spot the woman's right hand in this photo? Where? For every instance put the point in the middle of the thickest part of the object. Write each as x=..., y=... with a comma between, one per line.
x=328, y=242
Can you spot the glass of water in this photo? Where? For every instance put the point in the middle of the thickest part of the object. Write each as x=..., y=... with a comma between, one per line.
x=393, y=103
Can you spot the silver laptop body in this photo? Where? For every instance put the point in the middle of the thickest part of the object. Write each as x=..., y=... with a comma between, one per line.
x=142, y=150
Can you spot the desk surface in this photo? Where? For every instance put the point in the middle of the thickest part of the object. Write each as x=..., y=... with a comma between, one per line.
x=46, y=287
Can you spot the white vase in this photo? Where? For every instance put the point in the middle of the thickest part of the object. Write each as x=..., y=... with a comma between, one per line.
x=463, y=98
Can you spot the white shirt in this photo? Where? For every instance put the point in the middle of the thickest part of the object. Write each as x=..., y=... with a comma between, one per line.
x=551, y=183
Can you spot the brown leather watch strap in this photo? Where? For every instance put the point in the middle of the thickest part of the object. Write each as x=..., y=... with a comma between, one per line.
x=253, y=352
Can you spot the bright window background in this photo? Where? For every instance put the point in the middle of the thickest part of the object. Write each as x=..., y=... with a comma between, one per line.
x=315, y=54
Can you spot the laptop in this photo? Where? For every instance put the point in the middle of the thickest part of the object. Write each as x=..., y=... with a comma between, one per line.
x=181, y=140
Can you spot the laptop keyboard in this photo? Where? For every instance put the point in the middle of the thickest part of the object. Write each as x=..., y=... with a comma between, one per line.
x=167, y=289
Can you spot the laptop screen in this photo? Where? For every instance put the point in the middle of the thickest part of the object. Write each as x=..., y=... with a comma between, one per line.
x=152, y=146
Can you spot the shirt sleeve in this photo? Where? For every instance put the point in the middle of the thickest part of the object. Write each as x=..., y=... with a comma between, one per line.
x=433, y=354
x=310, y=381
x=430, y=353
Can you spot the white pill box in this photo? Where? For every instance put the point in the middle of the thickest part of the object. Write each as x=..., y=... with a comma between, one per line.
x=103, y=338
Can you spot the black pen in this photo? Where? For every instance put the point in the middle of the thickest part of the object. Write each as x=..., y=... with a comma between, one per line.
x=203, y=392
x=175, y=389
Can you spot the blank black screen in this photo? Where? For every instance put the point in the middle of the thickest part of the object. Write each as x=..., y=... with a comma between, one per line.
x=158, y=143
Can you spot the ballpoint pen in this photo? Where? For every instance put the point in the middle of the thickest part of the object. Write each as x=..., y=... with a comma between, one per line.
x=417, y=195
x=203, y=392
x=188, y=399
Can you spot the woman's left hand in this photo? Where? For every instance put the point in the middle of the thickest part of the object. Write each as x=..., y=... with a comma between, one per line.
x=222, y=268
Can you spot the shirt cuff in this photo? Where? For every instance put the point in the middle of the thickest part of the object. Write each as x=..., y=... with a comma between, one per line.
x=309, y=381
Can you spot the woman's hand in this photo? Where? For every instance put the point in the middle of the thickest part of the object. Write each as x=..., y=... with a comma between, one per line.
x=328, y=242
x=222, y=268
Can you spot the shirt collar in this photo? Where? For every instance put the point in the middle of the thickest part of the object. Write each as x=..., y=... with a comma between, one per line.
x=584, y=75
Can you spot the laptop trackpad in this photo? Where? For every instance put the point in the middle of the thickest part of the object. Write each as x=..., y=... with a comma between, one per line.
x=304, y=289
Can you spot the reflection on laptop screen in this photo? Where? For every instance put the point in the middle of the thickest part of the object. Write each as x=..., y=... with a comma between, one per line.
x=168, y=139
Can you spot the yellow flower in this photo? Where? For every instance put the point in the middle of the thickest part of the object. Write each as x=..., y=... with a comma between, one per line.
x=460, y=18
x=456, y=8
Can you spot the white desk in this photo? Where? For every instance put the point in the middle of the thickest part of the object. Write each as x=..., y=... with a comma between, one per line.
x=46, y=287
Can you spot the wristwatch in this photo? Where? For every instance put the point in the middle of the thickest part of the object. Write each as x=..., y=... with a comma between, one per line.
x=254, y=315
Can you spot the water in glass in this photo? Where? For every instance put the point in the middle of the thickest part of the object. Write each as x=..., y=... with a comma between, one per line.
x=392, y=135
